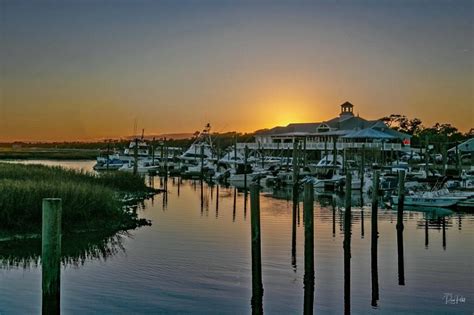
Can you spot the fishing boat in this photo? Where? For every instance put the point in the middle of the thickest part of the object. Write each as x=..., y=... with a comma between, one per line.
x=108, y=165
x=200, y=150
x=439, y=198
x=143, y=166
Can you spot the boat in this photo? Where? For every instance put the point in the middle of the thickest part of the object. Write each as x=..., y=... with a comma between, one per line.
x=143, y=166
x=439, y=198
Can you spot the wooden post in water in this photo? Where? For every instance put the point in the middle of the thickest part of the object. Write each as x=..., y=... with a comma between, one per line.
x=325, y=148
x=362, y=167
x=401, y=201
x=257, y=284
x=153, y=151
x=344, y=166
x=347, y=245
x=334, y=155
x=308, y=218
x=295, y=204
x=444, y=232
x=108, y=153
x=51, y=255
x=217, y=200
x=202, y=163
x=135, y=157
x=445, y=158
x=246, y=156
x=458, y=160
x=374, y=239
x=305, y=156
x=234, y=205
x=427, y=157
x=235, y=150
x=426, y=231
x=166, y=164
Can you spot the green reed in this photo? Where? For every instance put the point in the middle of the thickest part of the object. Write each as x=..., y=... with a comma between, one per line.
x=89, y=200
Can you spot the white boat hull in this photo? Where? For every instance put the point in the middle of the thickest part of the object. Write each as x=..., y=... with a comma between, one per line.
x=429, y=202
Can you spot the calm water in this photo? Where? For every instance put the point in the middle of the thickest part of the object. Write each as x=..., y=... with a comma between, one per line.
x=195, y=258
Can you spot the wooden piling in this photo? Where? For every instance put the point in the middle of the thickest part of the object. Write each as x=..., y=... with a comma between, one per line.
x=257, y=284
x=135, y=157
x=427, y=157
x=202, y=163
x=399, y=227
x=153, y=151
x=347, y=245
x=334, y=154
x=51, y=255
x=305, y=153
x=246, y=156
x=458, y=159
x=295, y=204
x=308, y=218
x=234, y=206
x=443, y=224
x=235, y=150
x=374, y=239
x=445, y=158
x=108, y=154
x=426, y=231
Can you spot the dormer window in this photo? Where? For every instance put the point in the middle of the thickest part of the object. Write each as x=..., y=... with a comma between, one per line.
x=323, y=128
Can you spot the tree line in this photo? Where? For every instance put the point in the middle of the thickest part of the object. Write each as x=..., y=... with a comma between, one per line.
x=438, y=134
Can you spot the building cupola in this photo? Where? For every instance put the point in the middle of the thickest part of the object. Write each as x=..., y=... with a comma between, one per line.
x=347, y=109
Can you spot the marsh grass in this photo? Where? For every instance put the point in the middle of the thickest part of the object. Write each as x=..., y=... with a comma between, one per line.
x=89, y=201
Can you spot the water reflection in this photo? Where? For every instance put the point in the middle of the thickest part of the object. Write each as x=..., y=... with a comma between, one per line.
x=76, y=249
x=347, y=260
x=169, y=262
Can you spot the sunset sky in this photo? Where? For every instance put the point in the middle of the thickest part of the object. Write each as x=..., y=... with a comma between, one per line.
x=78, y=70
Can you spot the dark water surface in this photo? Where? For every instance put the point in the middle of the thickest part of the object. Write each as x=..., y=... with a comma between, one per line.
x=196, y=258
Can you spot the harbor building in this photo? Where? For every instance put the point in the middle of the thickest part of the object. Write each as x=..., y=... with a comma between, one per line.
x=345, y=131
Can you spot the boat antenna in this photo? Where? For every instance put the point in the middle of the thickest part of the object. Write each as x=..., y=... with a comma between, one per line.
x=135, y=128
x=143, y=133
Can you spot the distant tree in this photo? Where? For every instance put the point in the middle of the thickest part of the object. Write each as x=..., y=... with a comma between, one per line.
x=439, y=133
x=403, y=124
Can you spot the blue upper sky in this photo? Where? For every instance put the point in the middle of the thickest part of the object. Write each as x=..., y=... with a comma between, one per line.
x=242, y=65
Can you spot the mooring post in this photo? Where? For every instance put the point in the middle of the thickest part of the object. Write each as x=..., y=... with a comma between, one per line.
x=135, y=157
x=401, y=201
x=334, y=155
x=108, y=153
x=427, y=156
x=347, y=245
x=202, y=163
x=234, y=204
x=153, y=152
x=326, y=148
x=257, y=284
x=458, y=160
x=445, y=159
x=374, y=239
x=235, y=150
x=51, y=255
x=246, y=156
x=308, y=218
x=426, y=231
x=305, y=157
x=295, y=204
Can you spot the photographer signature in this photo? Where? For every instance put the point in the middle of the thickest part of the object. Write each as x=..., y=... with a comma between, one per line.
x=450, y=298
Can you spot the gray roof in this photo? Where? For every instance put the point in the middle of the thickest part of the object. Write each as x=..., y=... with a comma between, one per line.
x=368, y=133
x=466, y=146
